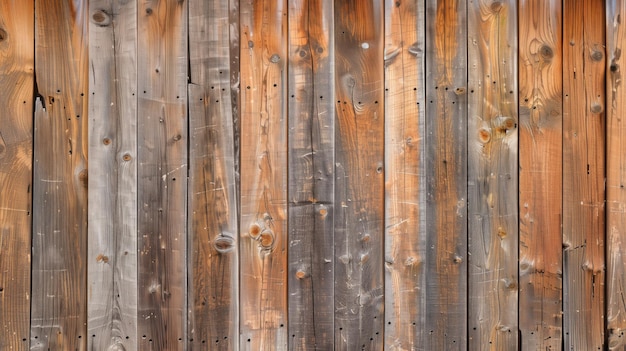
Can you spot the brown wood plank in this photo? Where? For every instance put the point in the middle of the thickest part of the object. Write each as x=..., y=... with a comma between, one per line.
x=540, y=144
x=405, y=182
x=16, y=166
x=213, y=296
x=311, y=175
x=162, y=173
x=359, y=191
x=59, y=269
x=263, y=216
x=446, y=175
x=583, y=174
x=112, y=251
x=492, y=175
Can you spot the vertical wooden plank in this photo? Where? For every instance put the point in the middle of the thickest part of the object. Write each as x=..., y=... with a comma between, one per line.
x=446, y=174
x=583, y=174
x=263, y=240
x=59, y=270
x=540, y=111
x=112, y=252
x=162, y=173
x=16, y=150
x=492, y=175
x=359, y=191
x=311, y=175
x=213, y=296
x=405, y=183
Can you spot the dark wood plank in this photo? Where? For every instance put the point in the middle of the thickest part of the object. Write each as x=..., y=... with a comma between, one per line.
x=162, y=173
x=540, y=144
x=16, y=166
x=446, y=174
x=492, y=175
x=311, y=175
x=59, y=267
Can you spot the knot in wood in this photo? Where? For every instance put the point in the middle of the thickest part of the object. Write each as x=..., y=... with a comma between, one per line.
x=546, y=52
x=224, y=243
x=101, y=18
x=275, y=58
x=597, y=55
x=3, y=34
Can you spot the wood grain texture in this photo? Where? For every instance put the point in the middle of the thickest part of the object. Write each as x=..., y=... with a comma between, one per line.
x=583, y=174
x=17, y=59
x=112, y=251
x=540, y=84
x=492, y=175
x=213, y=296
x=446, y=174
x=263, y=221
x=59, y=269
x=359, y=191
x=311, y=175
x=162, y=174
x=405, y=182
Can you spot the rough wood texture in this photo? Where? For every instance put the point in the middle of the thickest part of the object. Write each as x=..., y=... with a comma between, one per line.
x=263, y=233
x=213, y=296
x=162, y=174
x=16, y=150
x=492, y=175
x=359, y=191
x=405, y=183
x=583, y=174
x=59, y=270
x=540, y=85
x=446, y=175
x=112, y=252
x=311, y=175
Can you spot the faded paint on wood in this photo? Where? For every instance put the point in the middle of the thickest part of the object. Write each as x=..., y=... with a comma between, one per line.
x=59, y=270
x=162, y=174
x=492, y=175
x=359, y=191
x=446, y=175
x=263, y=226
x=405, y=183
x=540, y=85
x=16, y=151
x=213, y=295
x=583, y=174
x=311, y=175
x=112, y=206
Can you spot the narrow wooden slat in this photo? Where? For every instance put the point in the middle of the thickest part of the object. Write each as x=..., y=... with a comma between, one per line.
x=162, y=173
x=16, y=150
x=446, y=175
x=59, y=270
x=492, y=175
x=213, y=296
x=263, y=239
x=112, y=251
x=540, y=144
x=583, y=174
x=405, y=183
x=311, y=175
x=359, y=191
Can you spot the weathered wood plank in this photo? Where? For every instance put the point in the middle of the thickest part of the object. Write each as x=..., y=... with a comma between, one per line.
x=59, y=269
x=583, y=174
x=311, y=175
x=405, y=182
x=492, y=175
x=112, y=251
x=213, y=296
x=446, y=174
x=263, y=239
x=359, y=191
x=540, y=138
x=16, y=150
x=162, y=173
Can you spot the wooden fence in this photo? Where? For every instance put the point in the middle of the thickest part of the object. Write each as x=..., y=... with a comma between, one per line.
x=312, y=174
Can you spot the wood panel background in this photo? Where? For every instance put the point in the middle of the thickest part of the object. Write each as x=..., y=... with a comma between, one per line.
x=312, y=175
